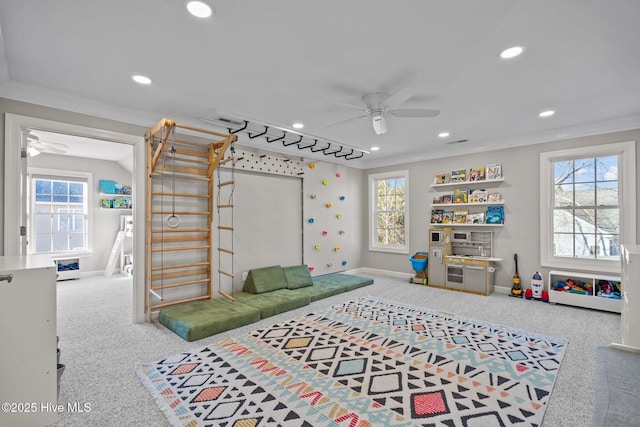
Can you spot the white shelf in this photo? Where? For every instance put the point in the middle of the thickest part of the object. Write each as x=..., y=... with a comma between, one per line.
x=453, y=205
x=467, y=183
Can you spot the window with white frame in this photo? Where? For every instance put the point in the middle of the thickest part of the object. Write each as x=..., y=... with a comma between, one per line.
x=389, y=212
x=587, y=201
x=59, y=212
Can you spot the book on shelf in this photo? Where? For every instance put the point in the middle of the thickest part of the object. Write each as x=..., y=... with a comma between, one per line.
x=475, y=218
x=447, y=217
x=441, y=178
x=495, y=215
x=437, y=200
x=436, y=216
x=494, y=196
x=494, y=171
x=458, y=175
x=460, y=195
x=476, y=174
x=447, y=199
x=478, y=196
x=460, y=216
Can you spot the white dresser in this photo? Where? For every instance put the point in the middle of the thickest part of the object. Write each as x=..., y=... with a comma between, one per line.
x=28, y=367
x=630, y=316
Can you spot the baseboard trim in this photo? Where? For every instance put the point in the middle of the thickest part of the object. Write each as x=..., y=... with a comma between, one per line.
x=366, y=270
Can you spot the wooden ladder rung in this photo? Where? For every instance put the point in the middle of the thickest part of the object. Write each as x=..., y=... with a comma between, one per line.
x=225, y=161
x=167, y=304
x=229, y=251
x=173, y=267
x=202, y=196
x=180, y=230
x=225, y=227
x=180, y=213
x=225, y=206
x=226, y=273
x=179, y=239
x=178, y=284
x=181, y=273
x=227, y=296
x=182, y=248
x=222, y=184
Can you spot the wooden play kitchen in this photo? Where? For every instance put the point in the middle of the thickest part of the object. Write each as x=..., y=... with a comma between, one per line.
x=461, y=260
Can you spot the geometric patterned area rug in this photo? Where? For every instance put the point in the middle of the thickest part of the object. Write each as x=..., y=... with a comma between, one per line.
x=366, y=362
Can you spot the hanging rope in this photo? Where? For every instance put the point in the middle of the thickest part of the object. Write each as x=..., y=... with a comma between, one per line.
x=173, y=220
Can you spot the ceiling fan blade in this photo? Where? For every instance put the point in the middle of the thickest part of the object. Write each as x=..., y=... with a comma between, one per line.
x=352, y=119
x=59, y=144
x=413, y=112
x=400, y=97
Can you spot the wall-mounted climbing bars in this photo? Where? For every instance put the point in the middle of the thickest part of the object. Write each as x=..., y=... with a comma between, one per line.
x=180, y=207
x=289, y=138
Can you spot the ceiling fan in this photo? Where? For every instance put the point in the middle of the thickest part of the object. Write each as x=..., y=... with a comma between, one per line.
x=379, y=105
x=35, y=146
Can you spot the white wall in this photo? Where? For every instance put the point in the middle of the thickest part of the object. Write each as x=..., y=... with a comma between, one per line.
x=520, y=191
x=106, y=222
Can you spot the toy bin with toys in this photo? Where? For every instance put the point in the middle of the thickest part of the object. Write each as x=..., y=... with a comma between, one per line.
x=590, y=290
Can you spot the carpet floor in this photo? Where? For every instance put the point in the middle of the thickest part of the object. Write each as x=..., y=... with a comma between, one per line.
x=102, y=348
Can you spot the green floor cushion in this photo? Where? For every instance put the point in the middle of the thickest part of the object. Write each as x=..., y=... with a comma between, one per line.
x=349, y=281
x=274, y=302
x=297, y=276
x=320, y=291
x=265, y=279
x=196, y=320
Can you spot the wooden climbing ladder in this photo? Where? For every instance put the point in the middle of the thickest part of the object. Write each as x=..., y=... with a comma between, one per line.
x=180, y=211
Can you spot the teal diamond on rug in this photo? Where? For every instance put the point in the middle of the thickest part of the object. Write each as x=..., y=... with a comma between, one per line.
x=366, y=362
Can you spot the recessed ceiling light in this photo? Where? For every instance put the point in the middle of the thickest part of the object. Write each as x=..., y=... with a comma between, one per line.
x=143, y=80
x=297, y=125
x=547, y=113
x=443, y=134
x=511, y=52
x=375, y=148
x=199, y=9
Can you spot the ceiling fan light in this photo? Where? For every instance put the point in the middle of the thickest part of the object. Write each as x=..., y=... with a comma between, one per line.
x=379, y=125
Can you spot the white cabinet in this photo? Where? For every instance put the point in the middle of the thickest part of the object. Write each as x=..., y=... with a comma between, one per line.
x=596, y=296
x=630, y=319
x=28, y=362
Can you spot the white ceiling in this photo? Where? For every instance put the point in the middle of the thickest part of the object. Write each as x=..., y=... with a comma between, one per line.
x=283, y=61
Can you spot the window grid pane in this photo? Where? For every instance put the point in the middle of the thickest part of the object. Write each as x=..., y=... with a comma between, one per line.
x=389, y=215
x=60, y=215
x=586, y=214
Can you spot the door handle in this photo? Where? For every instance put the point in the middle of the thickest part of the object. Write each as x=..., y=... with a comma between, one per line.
x=7, y=277
x=474, y=268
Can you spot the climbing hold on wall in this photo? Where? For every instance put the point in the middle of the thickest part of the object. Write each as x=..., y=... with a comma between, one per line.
x=312, y=165
x=329, y=264
x=310, y=268
x=317, y=246
x=338, y=175
x=339, y=216
x=342, y=232
x=344, y=262
x=328, y=205
x=325, y=182
x=342, y=198
x=312, y=196
x=311, y=220
x=336, y=248
x=324, y=233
